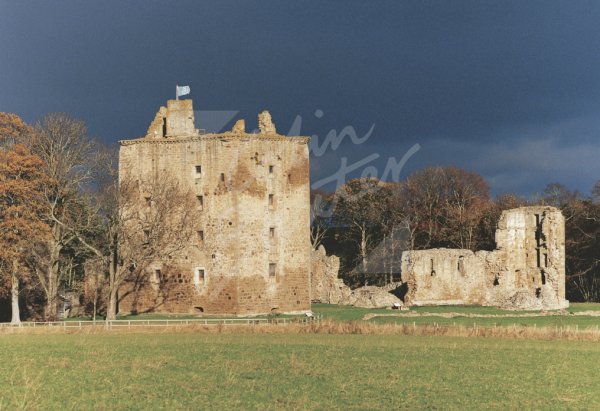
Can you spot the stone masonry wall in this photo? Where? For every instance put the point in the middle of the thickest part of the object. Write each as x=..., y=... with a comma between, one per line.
x=443, y=276
x=526, y=271
x=252, y=252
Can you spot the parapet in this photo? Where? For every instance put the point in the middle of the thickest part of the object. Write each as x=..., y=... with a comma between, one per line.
x=177, y=120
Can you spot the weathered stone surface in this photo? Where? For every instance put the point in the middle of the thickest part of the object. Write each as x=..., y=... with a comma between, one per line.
x=373, y=297
x=526, y=271
x=327, y=288
x=265, y=123
x=443, y=277
x=239, y=127
x=252, y=252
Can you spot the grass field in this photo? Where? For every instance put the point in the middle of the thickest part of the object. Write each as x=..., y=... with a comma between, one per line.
x=291, y=371
x=468, y=316
x=345, y=313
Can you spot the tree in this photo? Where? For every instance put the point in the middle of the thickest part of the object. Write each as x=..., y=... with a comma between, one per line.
x=596, y=192
x=320, y=216
x=468, y=198
x=446, y=205
x=361, y=208
x=21, y=199
x=582, y=241
x=12, y=129
x=68, y=156
x=424, y=198
x=143, y=222
x=557, y=195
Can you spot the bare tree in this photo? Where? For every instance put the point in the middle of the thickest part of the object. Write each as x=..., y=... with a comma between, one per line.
x=361, y=207
x=447, y=204
x=321, y=209
x=68, y=155
x=143, y=222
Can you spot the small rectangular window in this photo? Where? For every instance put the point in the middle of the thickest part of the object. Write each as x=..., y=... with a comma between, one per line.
x=201, y=235
x=148, y=201
x=200, y=200
x=272, y=232
x=271, y=168
x=271, y=200
x=146, y=236
x=272, y=269
x=199, y=277
x=198, y=169
x=157, y=275
x=222, y=176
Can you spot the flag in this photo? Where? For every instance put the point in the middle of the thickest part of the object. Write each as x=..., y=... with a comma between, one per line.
x=183, y=90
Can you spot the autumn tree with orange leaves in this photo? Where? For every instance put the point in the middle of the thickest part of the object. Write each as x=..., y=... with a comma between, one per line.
x=21, y=188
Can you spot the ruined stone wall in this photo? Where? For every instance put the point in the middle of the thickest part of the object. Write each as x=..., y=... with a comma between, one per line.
x=443, y=276
x=325, y=285
x=528, y=267
x=253, y=244
x=526, y=271
x=327, y=288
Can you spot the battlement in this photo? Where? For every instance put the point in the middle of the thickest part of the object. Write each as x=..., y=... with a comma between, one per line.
x=176, y=120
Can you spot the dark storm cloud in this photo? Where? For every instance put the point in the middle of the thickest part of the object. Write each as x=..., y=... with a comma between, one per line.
x=508, y=89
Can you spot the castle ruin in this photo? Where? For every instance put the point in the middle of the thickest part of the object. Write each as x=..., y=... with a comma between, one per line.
x=525, y=271
x=251, y=254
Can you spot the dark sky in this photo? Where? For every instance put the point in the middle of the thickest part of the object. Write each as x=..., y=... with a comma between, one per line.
x=509, y=89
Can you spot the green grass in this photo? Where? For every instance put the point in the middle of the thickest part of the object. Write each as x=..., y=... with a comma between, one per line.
x=575, y=307
x=347, y=313
x=263, y=371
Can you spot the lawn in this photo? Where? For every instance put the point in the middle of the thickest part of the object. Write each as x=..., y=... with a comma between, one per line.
x=290, y=371
x=346, y=313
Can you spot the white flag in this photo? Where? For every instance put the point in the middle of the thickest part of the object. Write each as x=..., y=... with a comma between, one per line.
x=183, y=90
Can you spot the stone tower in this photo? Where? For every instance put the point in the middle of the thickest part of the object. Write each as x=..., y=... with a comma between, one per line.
x=251, y=254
